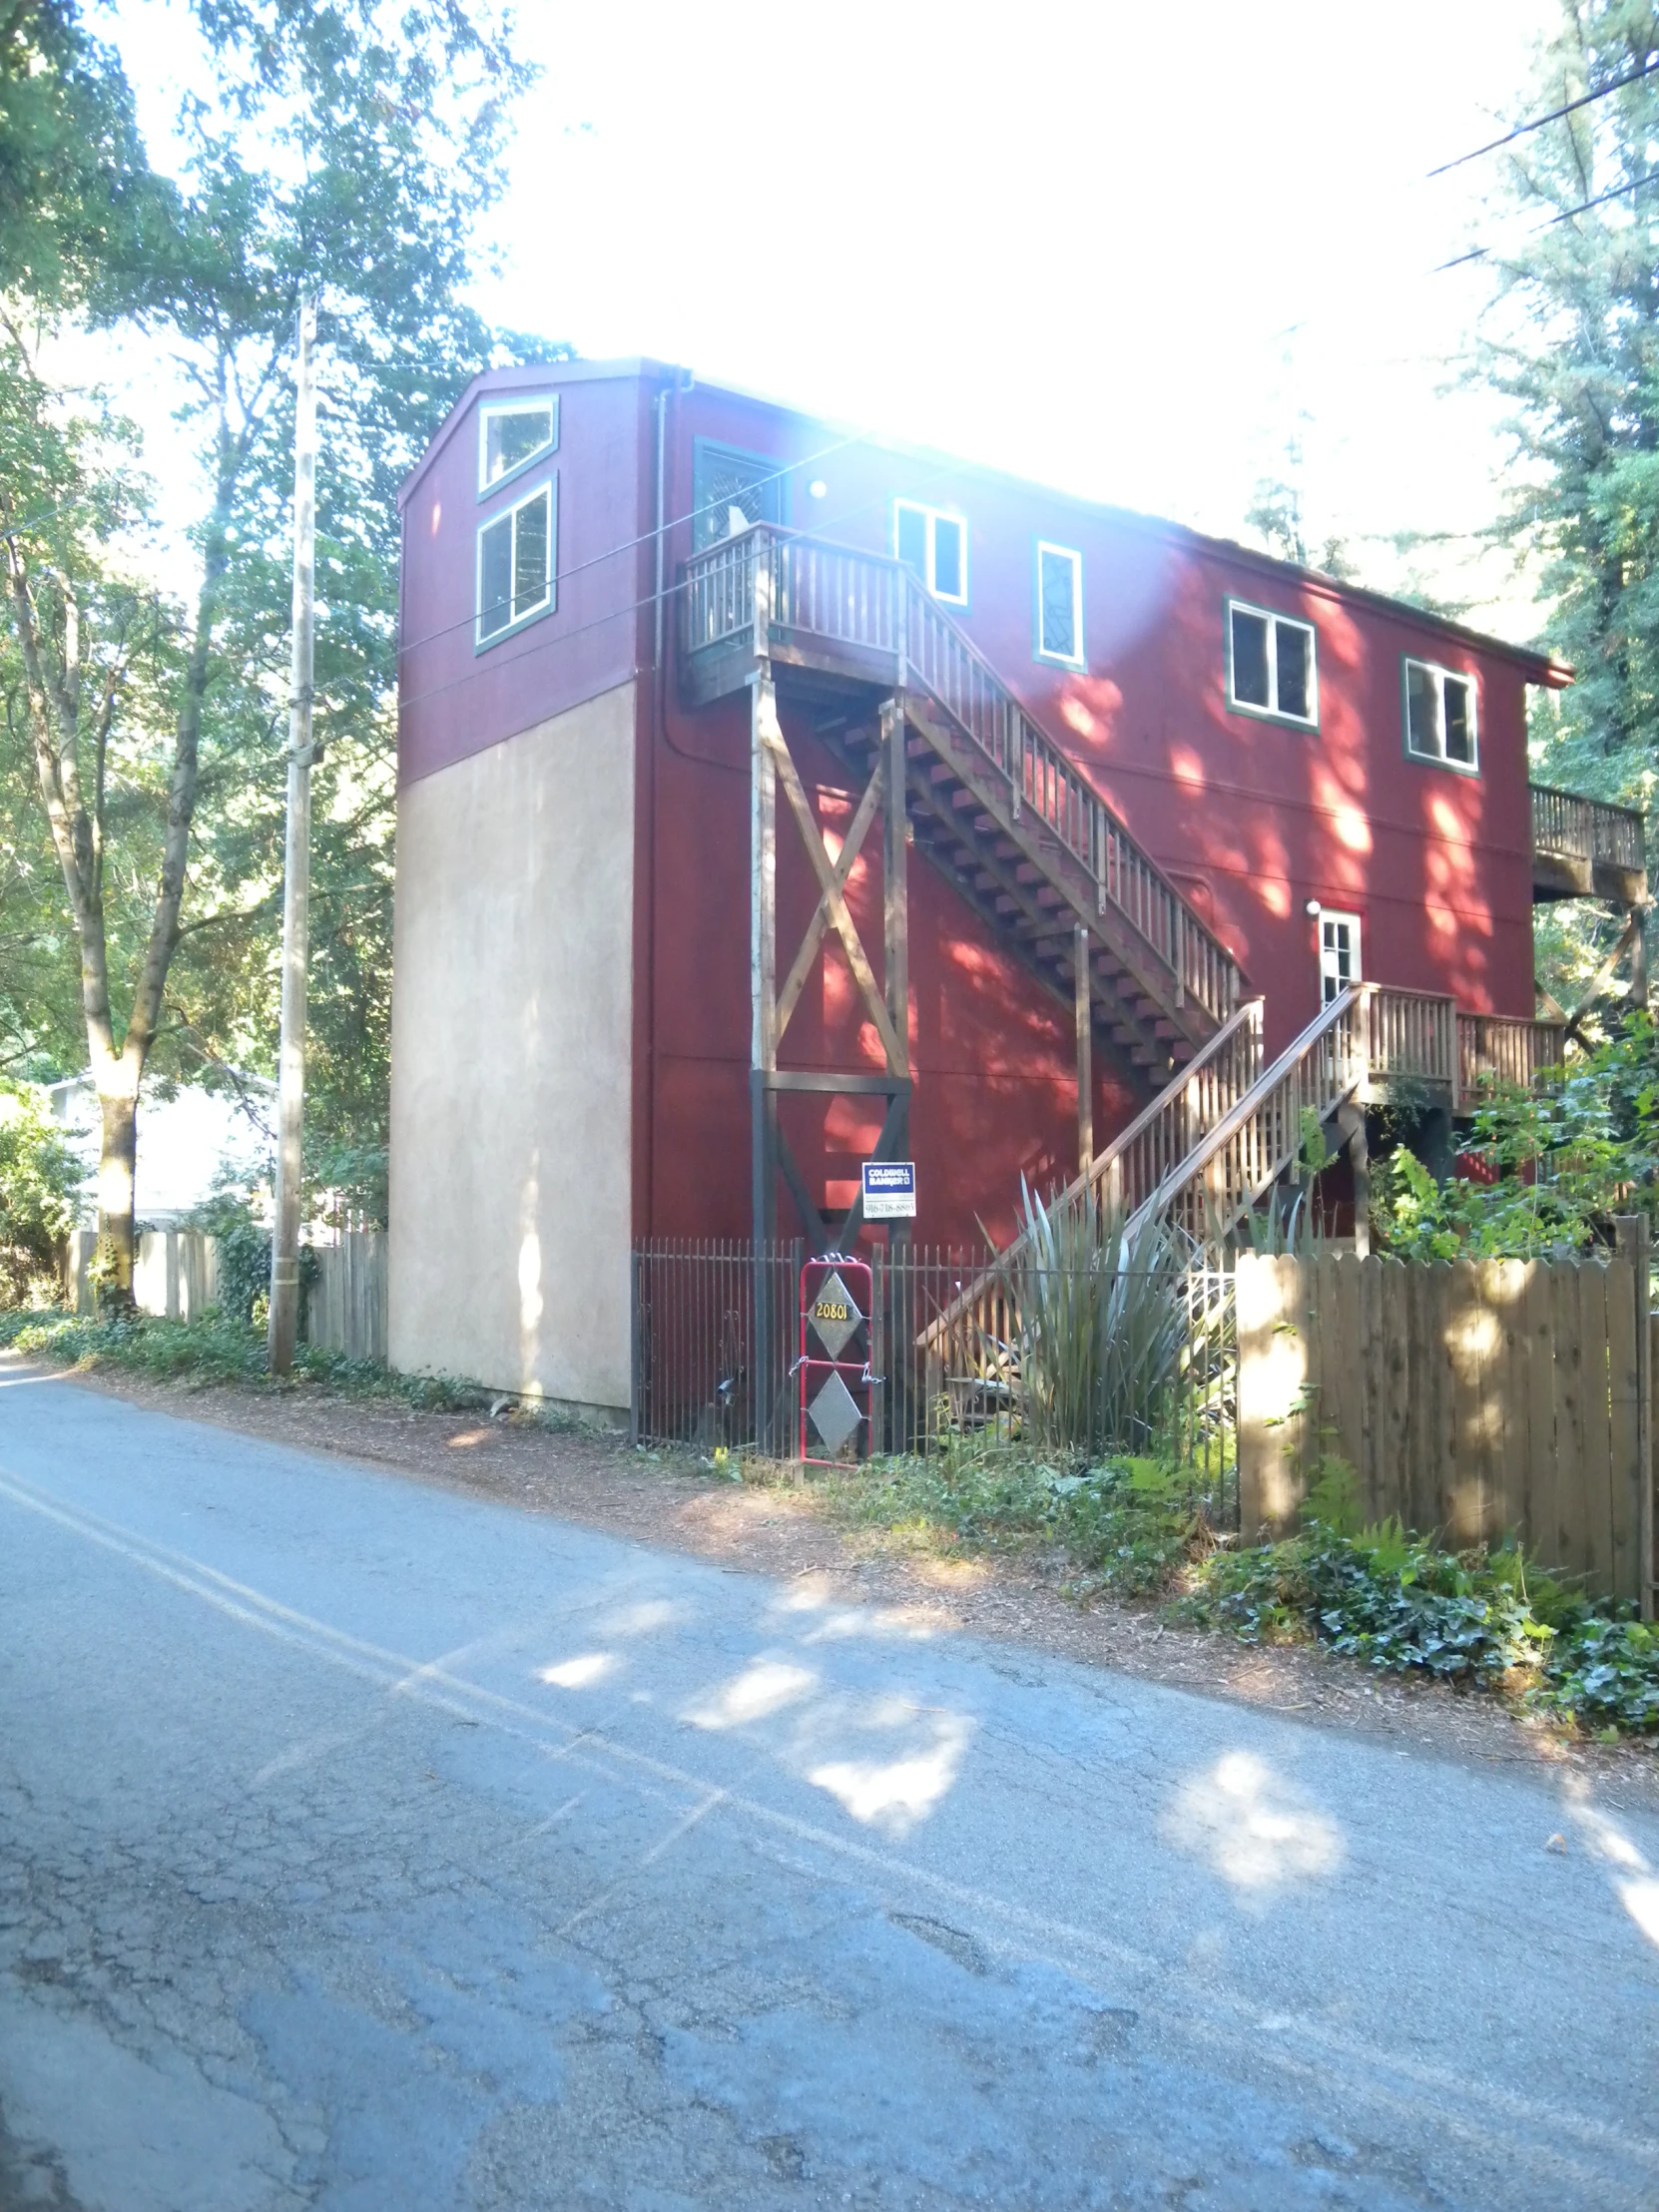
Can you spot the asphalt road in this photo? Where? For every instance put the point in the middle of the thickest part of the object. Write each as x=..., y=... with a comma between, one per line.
x=370, y=1848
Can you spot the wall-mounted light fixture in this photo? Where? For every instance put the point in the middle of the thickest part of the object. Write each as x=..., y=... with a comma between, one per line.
x=1313, y=907
x=817, y=487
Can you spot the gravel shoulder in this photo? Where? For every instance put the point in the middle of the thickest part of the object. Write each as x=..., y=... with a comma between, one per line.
x=597, y=1481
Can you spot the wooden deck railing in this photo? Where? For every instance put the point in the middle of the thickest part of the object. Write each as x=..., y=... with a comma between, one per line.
x=768, y=582
x=1587, y=829
x=1498, y=1048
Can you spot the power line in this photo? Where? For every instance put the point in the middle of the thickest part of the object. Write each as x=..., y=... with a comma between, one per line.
x=1554, y=115
x=1617, y=192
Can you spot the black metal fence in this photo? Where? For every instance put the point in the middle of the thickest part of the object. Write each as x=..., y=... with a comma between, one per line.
x=1128, y=1361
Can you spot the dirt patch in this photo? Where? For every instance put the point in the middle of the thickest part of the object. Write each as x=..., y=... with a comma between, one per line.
x=598, y=1481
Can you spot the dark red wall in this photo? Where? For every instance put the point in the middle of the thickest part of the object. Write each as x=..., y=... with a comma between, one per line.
x=454, y=699
x=1251, y=818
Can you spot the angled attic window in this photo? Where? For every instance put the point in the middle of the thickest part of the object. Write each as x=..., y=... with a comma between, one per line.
x=512, y=434
x=1271, y=668
x=1440, y=717
x=515, y=563
x=731, y=491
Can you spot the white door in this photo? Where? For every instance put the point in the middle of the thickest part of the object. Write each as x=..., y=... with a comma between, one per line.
x=1339, y=953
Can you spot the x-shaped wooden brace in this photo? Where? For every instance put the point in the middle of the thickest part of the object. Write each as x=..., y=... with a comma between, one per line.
x=831, y=908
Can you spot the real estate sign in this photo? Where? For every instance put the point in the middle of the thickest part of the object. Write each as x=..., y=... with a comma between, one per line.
x=890, y=1190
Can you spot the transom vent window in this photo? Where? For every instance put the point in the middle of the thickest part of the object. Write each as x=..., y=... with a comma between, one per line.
x=515, y=563
x=1060, y=605
x=1440, y=715
x=1271, y=664
x=511, y=434
x=935, y=546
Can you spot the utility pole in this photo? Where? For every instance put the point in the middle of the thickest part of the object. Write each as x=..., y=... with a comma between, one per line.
x=297, y=871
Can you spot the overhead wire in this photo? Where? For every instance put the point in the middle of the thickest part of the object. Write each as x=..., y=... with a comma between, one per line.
x=1537, y=123
x=1615, y=191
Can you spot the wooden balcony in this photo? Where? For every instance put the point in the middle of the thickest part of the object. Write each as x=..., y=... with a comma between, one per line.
x=1582, y=848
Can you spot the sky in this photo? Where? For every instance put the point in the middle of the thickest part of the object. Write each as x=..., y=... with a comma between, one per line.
x=1133, y=252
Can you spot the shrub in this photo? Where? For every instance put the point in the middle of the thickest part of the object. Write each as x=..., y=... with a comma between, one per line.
x=40, y=1181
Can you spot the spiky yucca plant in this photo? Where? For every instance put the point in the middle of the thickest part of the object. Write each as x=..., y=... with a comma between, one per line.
x=1102, y=1323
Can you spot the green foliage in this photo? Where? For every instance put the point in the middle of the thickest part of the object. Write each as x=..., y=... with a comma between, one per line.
x=1571, y=340
x=1103, y=1323
x=219, y=1350
x=1404, y=1606
x=1123, y=1526
x=244, y=1252
x=1607, y=1672
x=1425, y=1612
x=40, y=1180
x=75, y=194
x=341, y=143
x=1562, y=1162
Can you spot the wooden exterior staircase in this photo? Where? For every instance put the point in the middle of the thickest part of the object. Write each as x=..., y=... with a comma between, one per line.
x=1217, y=1138
x=993, y=801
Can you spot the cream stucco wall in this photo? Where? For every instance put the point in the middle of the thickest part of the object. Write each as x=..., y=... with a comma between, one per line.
x=512, y=1004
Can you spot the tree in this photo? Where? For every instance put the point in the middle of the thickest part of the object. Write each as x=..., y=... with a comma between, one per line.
x=1572, y=337
x=342, y=145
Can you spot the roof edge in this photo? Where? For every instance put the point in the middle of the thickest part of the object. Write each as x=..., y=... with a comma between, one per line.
x=528, y=376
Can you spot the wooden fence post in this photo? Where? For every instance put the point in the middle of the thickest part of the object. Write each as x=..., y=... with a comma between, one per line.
x=1633, y=1243
x=1273, y=1331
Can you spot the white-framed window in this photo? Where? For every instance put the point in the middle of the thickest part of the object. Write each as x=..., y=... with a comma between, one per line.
x=516, y=570
x=1271, y=665
x=1059, y=605
x=1339, y=953
x=512, y=433
x=934, y=544
x=1439, y=715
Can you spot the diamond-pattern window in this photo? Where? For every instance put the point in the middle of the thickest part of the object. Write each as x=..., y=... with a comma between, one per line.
x=731, y=489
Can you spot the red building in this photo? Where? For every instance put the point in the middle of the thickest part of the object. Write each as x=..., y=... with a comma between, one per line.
x=1220, y=776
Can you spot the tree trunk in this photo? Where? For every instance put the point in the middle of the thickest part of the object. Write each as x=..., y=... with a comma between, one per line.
x=117, y=1160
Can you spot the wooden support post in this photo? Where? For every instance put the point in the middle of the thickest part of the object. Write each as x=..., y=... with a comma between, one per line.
x=763, y=1042
x=896, y=922
x=1351, y=1126
x=1638, y=958
x=763, y=933
x=1632, y=1232
x=1085, y=1036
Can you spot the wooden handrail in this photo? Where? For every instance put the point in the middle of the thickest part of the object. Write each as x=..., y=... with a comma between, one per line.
x=1127, y=1170
x=784, y=580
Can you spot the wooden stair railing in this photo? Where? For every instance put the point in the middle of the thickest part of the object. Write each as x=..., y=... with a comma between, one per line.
x=1252, y=1145
x=1160, y=1136
x=863, y=613
x=1367, y=1031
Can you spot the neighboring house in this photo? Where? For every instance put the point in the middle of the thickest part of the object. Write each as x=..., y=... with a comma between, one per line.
x=1150, y=776
x=188, y=1142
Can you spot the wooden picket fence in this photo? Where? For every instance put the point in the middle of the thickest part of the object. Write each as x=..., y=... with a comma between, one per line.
x=176, y=1276
x=1477, y=1400
x=345, y=1308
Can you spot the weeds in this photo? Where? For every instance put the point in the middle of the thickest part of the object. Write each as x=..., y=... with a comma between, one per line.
x=217, y=1350
x=1121, y=1525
